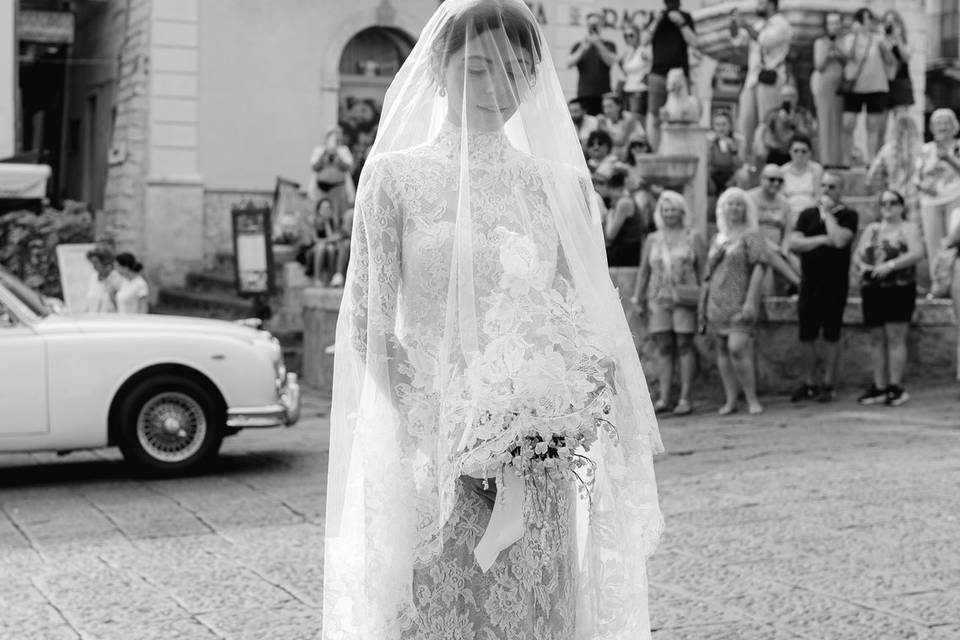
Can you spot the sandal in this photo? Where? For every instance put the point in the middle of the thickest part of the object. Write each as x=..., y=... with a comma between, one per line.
x=660, y=406
x=727, y=409
x=683, y=408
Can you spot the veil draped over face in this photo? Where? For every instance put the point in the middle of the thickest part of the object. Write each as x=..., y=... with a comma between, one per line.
x=478, y=286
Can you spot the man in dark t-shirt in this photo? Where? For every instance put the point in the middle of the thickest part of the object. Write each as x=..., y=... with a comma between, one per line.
x=823, y=236
x=593, y=57
x=672, y=33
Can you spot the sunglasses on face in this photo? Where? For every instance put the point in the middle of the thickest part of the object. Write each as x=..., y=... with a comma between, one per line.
x=831, y=187
x=890, y=203
x=773, y=179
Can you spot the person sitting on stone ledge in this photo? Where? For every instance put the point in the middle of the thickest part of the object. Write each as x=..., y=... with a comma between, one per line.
x=724, y=153
x=801, y=176
x=618, y=122
x=319, y=254
x=775, y=222
x=600, y=156
x=624, y=226
x=822, y=236
x=682, y=106
x=781, y=126
x=886, y=258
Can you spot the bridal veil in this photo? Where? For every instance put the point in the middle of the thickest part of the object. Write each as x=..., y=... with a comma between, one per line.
x=476, y=193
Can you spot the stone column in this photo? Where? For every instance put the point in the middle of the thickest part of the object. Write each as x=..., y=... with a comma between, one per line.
x=174, y=225
x=8, y=79
x=680, y=139
x=125, y=193
x=320, y=310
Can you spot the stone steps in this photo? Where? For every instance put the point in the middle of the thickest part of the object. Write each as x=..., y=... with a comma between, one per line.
x=204, y=304
x=212, y=282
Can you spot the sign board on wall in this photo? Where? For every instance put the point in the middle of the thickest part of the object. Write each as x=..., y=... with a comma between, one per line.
x=75, y=274
x=46, y=27
x=570, y=14
x=574, y=14
x=253, y=250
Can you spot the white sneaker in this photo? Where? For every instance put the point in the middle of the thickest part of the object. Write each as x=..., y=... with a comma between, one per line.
x=336, y=280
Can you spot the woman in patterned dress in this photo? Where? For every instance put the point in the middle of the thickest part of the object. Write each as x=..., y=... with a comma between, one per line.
x=736, y=265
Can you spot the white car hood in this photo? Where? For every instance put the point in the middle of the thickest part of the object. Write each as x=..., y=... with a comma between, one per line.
x=145, y=323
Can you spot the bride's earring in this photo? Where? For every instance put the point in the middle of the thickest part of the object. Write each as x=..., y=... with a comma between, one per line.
x=443, y=92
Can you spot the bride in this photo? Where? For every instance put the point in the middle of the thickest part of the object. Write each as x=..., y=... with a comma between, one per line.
x=491, y=473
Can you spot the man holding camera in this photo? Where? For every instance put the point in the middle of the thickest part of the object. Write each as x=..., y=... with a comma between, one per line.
x=769, y=44
x=593, y=57
x=671, y=36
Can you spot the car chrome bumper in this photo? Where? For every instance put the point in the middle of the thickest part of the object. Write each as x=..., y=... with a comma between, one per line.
x=286, y=411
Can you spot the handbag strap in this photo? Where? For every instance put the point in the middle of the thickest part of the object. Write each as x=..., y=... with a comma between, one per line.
x=717, y=259
x=866, y=52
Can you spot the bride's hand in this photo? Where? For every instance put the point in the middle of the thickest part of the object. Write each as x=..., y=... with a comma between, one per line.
x=476, y=486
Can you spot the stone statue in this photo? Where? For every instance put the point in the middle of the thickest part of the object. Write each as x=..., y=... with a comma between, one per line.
x=681, y=106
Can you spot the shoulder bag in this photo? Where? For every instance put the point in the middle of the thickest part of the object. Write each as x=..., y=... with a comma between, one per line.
x=847, y=85
x=766, y=76
x=684, y=295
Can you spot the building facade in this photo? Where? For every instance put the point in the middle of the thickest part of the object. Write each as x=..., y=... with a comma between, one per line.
x=213, y=100
x=173, y=111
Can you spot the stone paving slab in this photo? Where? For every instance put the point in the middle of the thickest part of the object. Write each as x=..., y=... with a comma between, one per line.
x=813, y=522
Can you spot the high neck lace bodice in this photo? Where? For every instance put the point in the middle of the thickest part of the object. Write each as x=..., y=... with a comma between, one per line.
x=481, y=146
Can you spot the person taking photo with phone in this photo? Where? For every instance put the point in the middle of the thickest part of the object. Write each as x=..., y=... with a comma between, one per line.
x=671, y=35
x=593, y=57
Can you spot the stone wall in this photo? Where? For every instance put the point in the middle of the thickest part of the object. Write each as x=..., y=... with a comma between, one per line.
x=125, y=193
x=932, y=343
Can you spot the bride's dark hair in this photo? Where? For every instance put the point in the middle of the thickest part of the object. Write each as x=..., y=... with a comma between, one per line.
x=509, y=16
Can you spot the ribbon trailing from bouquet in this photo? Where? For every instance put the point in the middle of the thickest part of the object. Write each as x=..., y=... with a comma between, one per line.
x=506, y=522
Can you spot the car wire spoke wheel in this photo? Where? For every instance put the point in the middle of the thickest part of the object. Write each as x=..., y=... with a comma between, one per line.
x=171, y=426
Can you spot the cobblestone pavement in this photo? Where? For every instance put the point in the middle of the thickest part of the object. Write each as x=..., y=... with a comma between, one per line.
x=815, y=522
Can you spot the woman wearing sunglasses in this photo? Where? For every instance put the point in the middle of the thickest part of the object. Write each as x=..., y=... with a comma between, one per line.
x=886, y=258
x=801, y=176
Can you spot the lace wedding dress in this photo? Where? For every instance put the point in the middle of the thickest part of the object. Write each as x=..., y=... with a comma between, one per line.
x=478, y=303
x=529, y=593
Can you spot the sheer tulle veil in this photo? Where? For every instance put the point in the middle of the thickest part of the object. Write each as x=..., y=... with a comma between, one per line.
x=476, y=182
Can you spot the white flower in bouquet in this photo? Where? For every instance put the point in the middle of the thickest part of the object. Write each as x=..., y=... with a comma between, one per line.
x=537, y=393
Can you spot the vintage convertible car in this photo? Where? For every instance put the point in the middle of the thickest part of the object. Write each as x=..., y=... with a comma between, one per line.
x=164, y=389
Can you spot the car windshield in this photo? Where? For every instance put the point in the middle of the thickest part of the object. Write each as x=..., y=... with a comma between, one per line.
x=30, y=298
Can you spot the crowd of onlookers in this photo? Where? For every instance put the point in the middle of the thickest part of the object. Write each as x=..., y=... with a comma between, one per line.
x=683, y=287
x=777, y=195
x=777, y=198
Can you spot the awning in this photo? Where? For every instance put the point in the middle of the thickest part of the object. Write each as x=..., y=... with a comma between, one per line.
x=23, y=181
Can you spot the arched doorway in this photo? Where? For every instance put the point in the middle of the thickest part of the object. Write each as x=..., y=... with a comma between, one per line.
x=368, y=64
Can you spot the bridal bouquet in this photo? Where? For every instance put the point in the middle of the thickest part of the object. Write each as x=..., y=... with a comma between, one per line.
x=539, y=392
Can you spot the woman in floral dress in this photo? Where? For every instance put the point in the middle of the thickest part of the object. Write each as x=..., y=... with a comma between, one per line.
x=736, y=265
